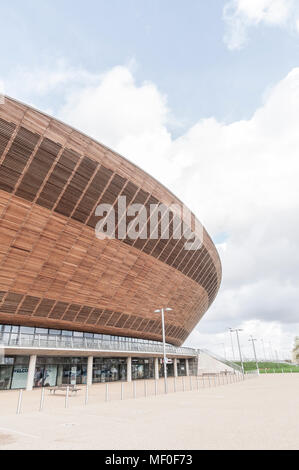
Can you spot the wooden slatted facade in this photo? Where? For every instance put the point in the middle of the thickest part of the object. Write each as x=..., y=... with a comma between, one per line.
x=55, y=272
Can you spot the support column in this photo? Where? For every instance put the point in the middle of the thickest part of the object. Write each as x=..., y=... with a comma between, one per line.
x=31, y=372
x=89, y=370
x=129, y=369
x=187, y=368
x=156, y=368
x=175, y=367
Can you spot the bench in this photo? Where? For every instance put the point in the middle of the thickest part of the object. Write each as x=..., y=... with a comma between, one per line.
x=72, y=389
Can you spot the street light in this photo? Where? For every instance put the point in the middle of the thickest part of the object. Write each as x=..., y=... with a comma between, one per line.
x=253, y=345
x=237, y=333
x=231, y=340
x=162, y=310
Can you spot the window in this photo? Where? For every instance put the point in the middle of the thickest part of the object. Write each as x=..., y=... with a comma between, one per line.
x=27, y=330
x=88, y=335
x=67, y=333
x=78, y=334
x=41, y=331
x=55, y=332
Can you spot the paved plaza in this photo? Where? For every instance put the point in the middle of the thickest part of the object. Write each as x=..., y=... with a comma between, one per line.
x=258, y=413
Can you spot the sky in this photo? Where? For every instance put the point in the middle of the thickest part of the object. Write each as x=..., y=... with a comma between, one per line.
x=205, y=97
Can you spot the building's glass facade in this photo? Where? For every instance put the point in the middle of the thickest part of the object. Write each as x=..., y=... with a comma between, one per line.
x=9, y=333
x=57, y=370
x=170, y=368
x=13, y=372
x=142, y=368
x=51, y=371
x=106, y=369
x=181, y=365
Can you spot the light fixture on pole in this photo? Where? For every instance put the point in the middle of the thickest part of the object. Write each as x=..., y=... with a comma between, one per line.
x=162, y=310
x=253, y=345
x=241, y=359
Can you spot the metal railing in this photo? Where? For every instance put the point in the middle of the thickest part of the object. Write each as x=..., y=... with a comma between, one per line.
x=56, y=342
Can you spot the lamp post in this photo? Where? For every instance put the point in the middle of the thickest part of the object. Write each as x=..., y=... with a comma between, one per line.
x=231, y=340
x=237, y=333
x=162, y=311
x=253, y=345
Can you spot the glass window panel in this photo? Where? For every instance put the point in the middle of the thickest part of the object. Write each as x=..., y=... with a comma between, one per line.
x=87, y=335
x=5, y=377
x=41, y=331
x=67, y=333
x=55, y=332
x=27, y=330
x=19, y=377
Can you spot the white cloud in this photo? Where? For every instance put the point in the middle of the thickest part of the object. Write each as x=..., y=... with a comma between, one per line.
x=42, y=80
x=240, y=15
x=129, y=118
x=240, y=179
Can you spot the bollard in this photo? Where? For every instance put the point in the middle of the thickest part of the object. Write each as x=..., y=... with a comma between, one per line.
x=67, y=397
x=20, y=402
x=121, y=391
x=42, y=399
x=86, y=395
x=134, y=389
x=156, y=387
x=145, y=388
x=174, y=384
x=107, y=393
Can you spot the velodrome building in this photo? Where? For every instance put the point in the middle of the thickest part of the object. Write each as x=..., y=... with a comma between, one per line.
x=75, y=307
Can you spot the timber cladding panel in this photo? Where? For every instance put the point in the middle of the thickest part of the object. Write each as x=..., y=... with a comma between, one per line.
x=55, y=272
